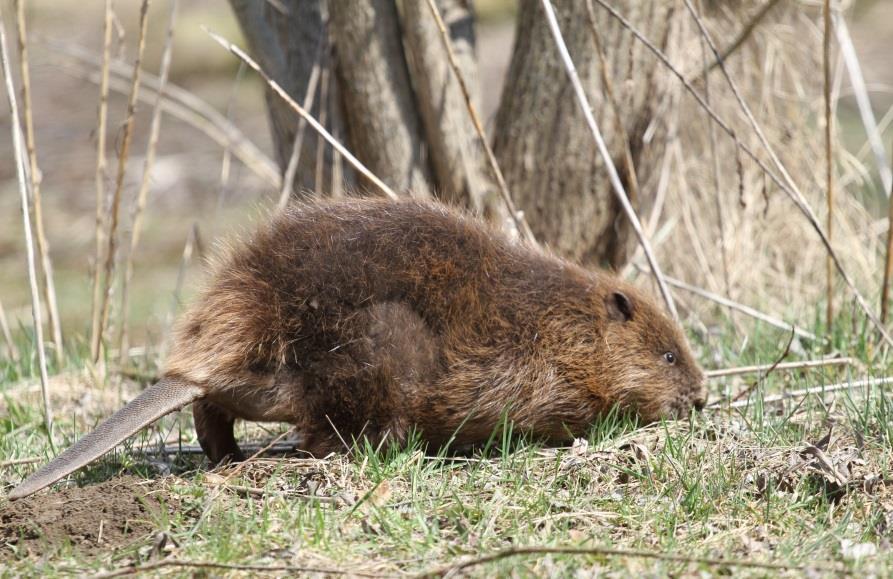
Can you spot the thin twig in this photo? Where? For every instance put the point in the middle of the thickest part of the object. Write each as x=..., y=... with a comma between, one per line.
x=888, y=264
x=7, y=335
x=617, y=185
x=43, y=246
x=740, y=38
x=747, y=310
x=20, y=461
x=829, y=160
x=287, y=569
x=142, y=195
x=452, y=568
x=292, y=168
x=127, y=137
x=102, y=116
x=792, y=189
x=21, y=168
x=807, y=392
x=517, y=218
x=240, y=54
x=783, y=366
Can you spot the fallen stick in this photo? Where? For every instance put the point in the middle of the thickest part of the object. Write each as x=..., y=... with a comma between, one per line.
x=807, y=392
x=783, y=366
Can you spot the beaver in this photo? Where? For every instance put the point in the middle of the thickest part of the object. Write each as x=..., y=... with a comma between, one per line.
x=375, y=318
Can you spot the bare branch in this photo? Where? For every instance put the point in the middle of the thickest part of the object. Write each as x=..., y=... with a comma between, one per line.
x=453, y=568
x=292, y=168
x=740, y=38
x=747, y=310
x=863, y=101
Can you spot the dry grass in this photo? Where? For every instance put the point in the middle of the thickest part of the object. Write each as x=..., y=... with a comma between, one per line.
x=774, y=255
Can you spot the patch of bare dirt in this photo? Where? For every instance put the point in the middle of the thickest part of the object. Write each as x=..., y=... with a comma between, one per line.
x=94, y=518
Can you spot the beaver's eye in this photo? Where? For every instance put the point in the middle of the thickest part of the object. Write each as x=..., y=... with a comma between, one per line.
x=670, y=357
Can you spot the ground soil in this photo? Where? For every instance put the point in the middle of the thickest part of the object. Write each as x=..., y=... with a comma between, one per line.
x=95, y=518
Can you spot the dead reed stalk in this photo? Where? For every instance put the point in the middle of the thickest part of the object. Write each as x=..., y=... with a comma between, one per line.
x=142, y=195
x=126, y=138
x=101, y=122
x=616, y=184
x=43, y=246
x=517, y=218
x=240, y=54
x=197, y=113
x=21, y=170
x=888, y=262
x=829, y=159
x=7, y=336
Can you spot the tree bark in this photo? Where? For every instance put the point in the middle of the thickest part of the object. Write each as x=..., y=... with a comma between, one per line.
x=542, y=143
x=463, y=176
x=382, y=122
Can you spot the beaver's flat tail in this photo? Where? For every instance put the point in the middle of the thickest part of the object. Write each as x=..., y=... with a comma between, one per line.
x=156, y=401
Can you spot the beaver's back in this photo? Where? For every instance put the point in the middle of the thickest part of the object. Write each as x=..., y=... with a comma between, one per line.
x=295, y=282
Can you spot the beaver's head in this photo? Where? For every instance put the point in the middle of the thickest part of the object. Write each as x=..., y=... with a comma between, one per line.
x=648, y=366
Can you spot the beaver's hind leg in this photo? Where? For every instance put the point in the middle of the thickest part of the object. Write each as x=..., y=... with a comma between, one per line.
x=214, y=427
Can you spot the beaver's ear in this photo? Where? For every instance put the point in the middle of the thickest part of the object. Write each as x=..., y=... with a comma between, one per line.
x=619, y=306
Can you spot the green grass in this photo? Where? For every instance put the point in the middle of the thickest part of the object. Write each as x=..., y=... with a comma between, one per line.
x=730, y=485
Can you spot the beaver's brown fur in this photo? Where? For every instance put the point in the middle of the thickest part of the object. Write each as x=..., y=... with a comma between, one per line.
x=374, y=317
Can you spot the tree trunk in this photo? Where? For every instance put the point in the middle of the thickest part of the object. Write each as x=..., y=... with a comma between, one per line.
x=288, y=38
x=382, y=121
x=400, y=110
x=542, y=142
x=457, y=157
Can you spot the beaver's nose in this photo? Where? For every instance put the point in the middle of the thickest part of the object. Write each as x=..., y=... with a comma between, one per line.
x=699, y=403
